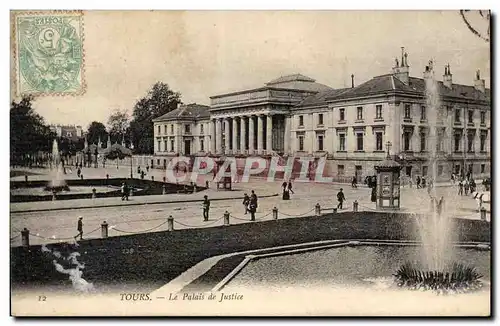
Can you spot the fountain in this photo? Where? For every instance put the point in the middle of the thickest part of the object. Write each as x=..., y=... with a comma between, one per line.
x=436, y=269
x=57, y=183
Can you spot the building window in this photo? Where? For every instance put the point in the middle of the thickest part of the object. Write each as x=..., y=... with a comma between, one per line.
x=301, y=120
x=378, y=112
x=165, y=130
x=483, y=117
x=158, y=162
x=470, y=143
x=301, y=143
x=379, y=141
x=320, y=119
x=340, y=169
x=423, y=115
x=457, y=142
x=359, y=141
x=171, y=145
x=159, y=130
x=159, y=146
x=165, y=145
x=341, y=142
x=201, y=129
x=483, y=142
x=483, y=168
x=407, y=111
x=360, y=113
x=320, y=142
x=187, y=129
x=457, y=115
x=172, y=129
x=342, y=114
x=440, y=170
x=424, y=170
x=202, y=145
x=423, y=142
x=471, y=116
x=406, y=140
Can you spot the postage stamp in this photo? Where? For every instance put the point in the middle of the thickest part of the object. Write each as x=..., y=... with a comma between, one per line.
x=48, y=52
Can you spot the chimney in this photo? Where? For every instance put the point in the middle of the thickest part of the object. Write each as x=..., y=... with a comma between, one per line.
x=352, y=81
x=401, y=70
x=479, y=83
x=429, y=70
x=447, y=80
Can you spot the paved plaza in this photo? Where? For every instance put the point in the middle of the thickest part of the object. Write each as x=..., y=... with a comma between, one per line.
x=55, y=221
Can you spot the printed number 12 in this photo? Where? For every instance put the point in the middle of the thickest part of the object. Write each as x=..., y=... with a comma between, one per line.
x=42, y=298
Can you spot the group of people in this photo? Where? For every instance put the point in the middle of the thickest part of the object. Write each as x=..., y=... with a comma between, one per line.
x=466, y=185
x=287, y=189
x=250, y=204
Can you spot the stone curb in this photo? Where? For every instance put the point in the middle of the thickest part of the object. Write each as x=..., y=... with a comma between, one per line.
x=131, y=204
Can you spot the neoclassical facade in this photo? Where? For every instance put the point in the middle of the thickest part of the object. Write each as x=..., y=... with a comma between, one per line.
x=296, y=116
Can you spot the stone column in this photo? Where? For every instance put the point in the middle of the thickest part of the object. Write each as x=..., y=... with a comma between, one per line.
x=251, y=135
x=212, y=137
x=260, y=133
x=218, y=136
x=227, y=136
x=235, y=134
x=287, y=135
x=243, y=135
x=269, y=134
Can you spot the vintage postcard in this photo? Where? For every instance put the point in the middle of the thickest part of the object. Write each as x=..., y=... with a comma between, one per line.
x=250, y=163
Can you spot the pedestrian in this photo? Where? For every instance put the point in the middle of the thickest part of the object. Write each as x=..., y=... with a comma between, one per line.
x=354, y=182
x=79, y=228
x=246, y=202
x=423, y=182
x=147, y=168
x=290, y=187
x=284, y=185
x=467, y=187
x=418, y=182
x=340, y=198
x=252, y=208
x=460, y=188
x=206, y=207
x=253, y=198
x=78, y=172
x=123, y=190
x=139, y=169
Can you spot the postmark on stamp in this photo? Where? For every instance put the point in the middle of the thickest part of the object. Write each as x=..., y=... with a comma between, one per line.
x=48, y=52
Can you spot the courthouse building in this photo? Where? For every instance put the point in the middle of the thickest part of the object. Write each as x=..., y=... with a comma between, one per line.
x=296, y=116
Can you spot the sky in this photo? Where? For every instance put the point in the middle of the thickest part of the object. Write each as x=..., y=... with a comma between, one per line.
x=205, y=53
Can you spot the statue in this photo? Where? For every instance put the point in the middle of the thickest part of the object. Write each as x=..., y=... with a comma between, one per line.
x=397, y=63
x=406, y=60
x=478, y=75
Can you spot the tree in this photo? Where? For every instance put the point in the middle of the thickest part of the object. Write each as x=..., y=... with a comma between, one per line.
x=118, y=124
x=28, y=132
x=95, y=131
x=159, y=100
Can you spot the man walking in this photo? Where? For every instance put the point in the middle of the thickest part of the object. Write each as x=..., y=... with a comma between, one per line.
x=340, y=198
x=290, y=187
x=460, y=188
x=206, y=208
x=246, y=202
x=79, y=228
x=252, y=208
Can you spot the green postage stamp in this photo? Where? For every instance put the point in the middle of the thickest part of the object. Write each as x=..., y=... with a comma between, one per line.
x=48, y=52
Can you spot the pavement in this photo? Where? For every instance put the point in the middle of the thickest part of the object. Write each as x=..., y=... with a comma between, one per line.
x=55, y=221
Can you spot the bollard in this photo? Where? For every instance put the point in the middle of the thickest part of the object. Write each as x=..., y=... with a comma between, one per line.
x=53, y=195
x=81, y=176
x=317, y=209
x=104, y=229
x=194, y=188
x=152, y=178
x=483, y=214
x=170, y=223
x=355, y=206
x=25, y=237
x=164, y=190
x=226, y=218
x=107, y=176
x=93, y=193
x=275, y=213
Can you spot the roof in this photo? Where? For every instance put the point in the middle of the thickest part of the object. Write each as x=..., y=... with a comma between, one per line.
x=191, y=111
x=387, y=163
x=390, y=83
x=296, y=82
